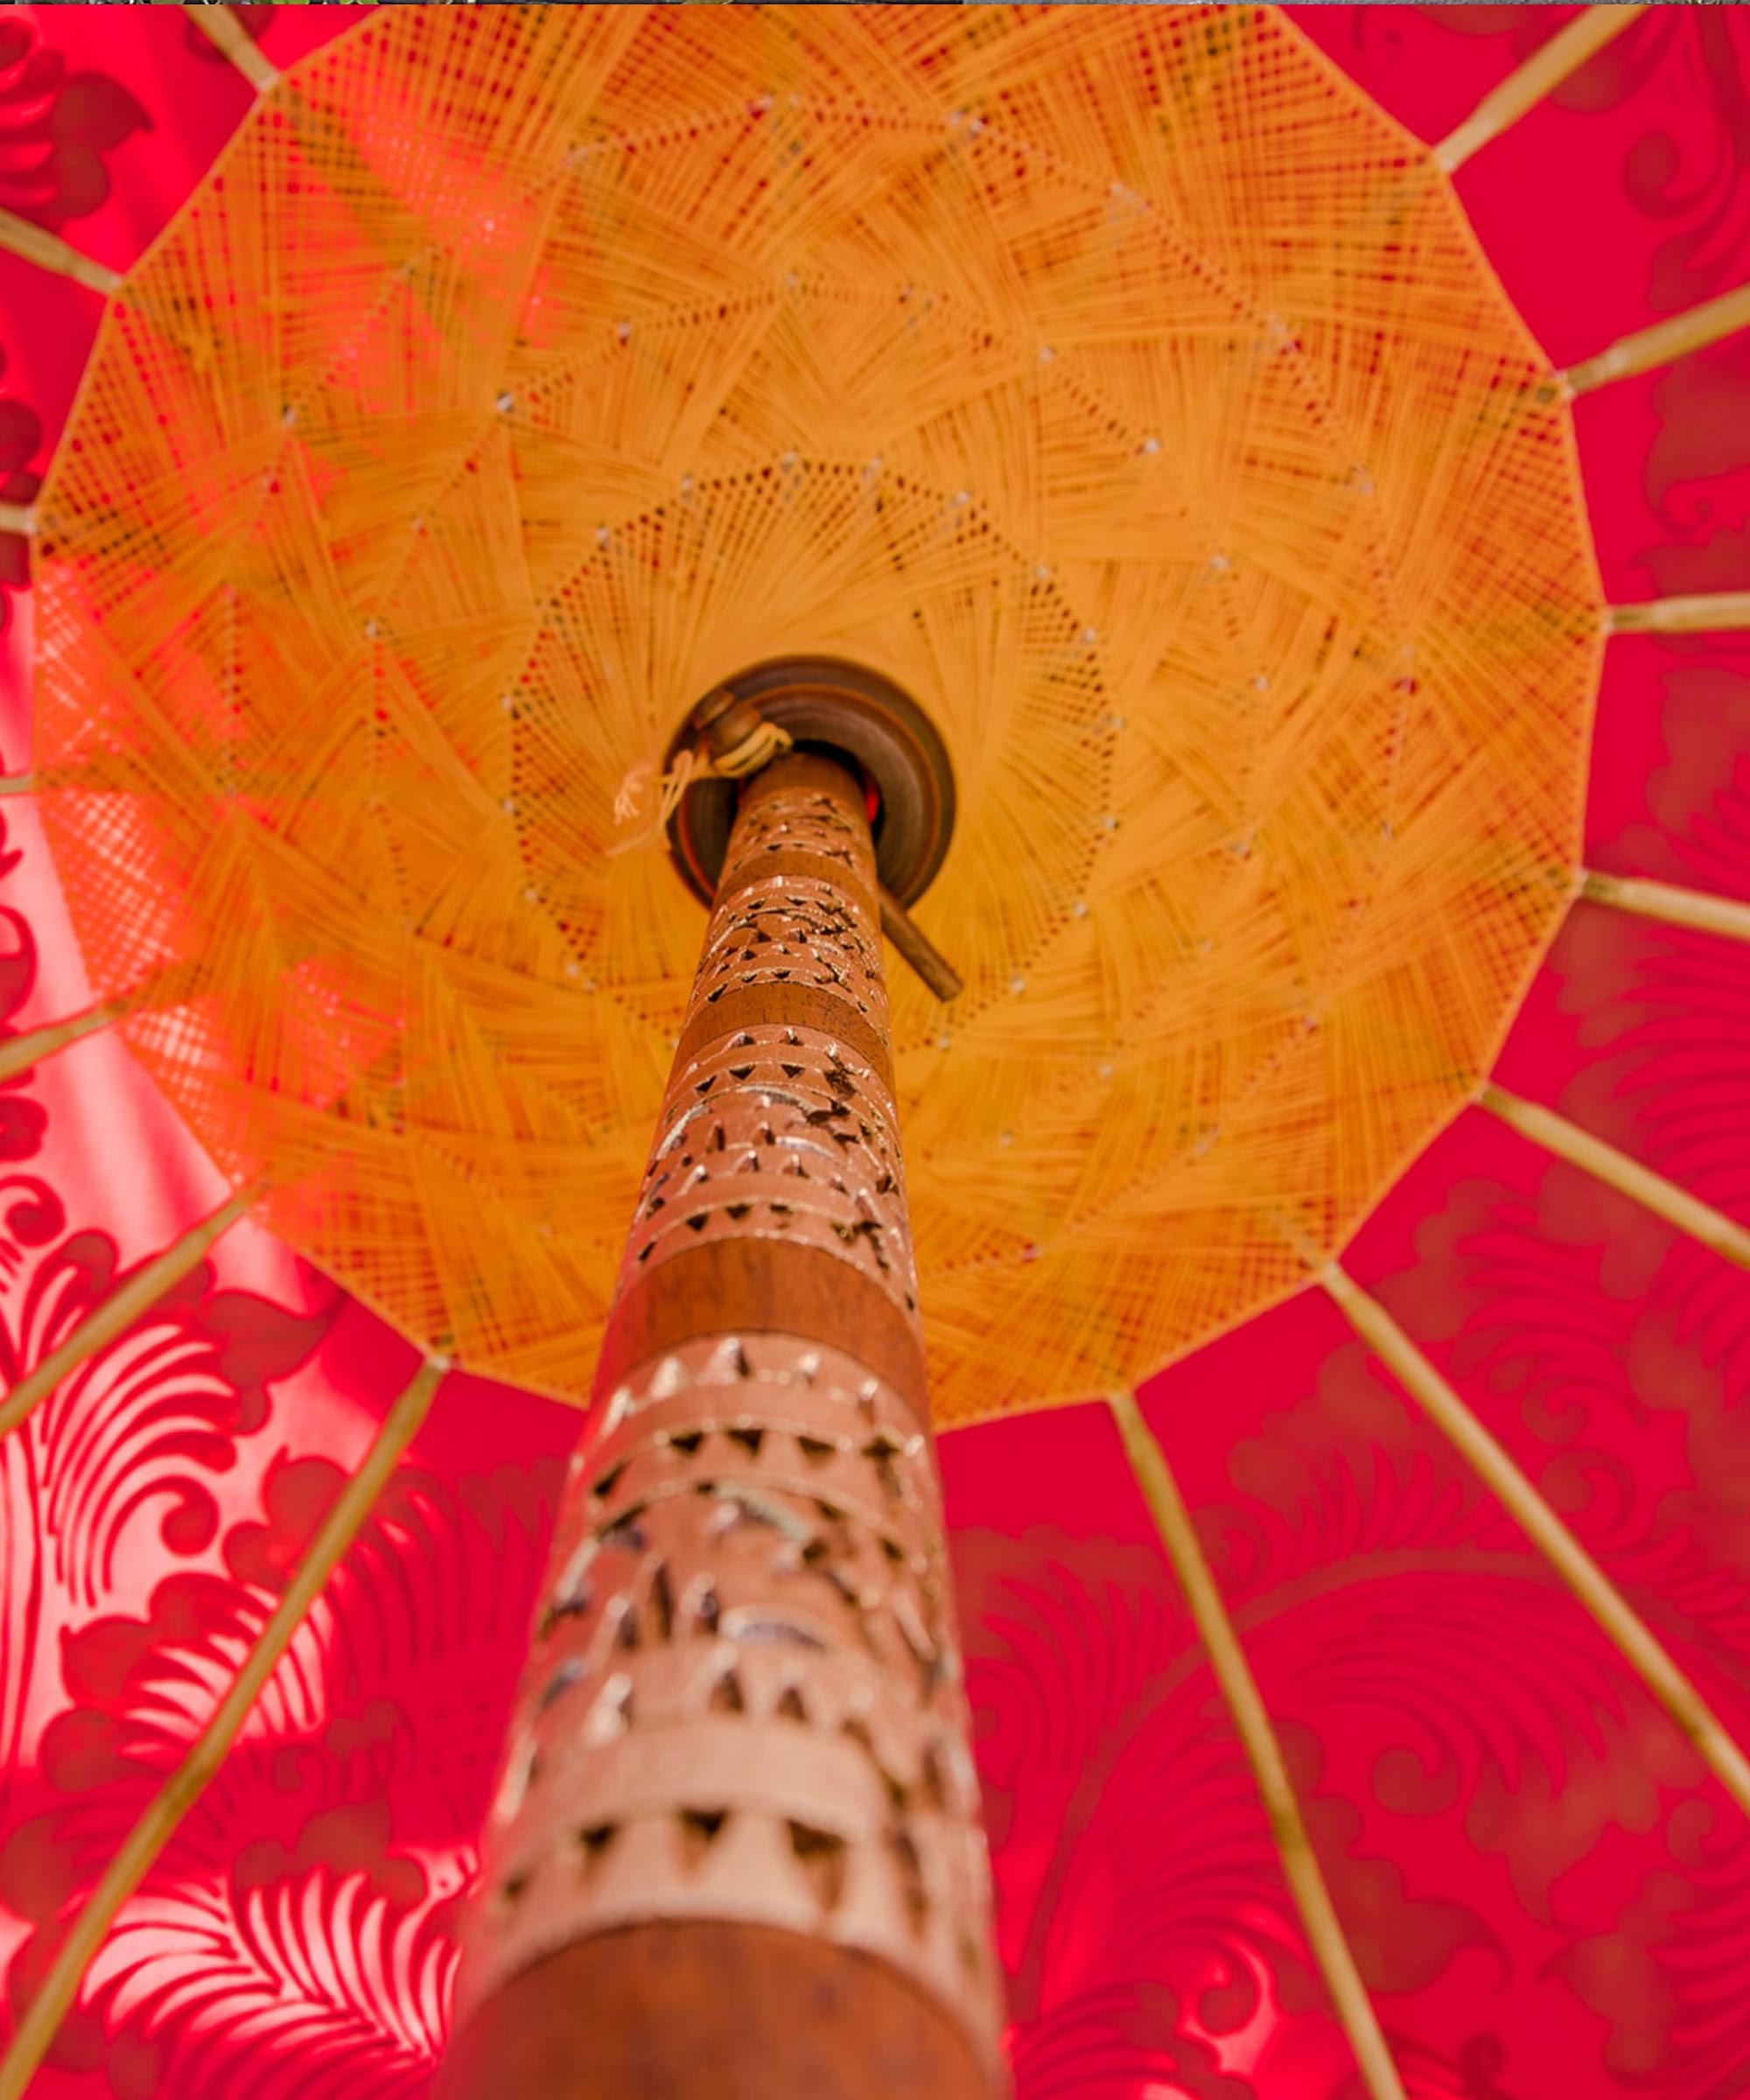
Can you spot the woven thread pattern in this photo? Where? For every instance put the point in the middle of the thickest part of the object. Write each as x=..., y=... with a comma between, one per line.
x=1119, y=381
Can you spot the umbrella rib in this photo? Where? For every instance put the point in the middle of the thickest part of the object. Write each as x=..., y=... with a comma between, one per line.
x=1616, y=1170
x=163, y=987
x=1706, y=612
x=1239, y=1690
x=157, y=1824
x=1527, y=85
x=19, y=517
x=228, y=35
x=48, y=251
x=19, y=1053
x=1663, y=343
x=1706, y=912
x=1610, y=1610
x=126, y=1304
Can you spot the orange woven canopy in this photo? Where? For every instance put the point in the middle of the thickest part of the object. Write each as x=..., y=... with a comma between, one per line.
x=1118, y=381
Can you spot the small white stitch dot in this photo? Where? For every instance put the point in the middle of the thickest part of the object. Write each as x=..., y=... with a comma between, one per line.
x=1150, y=444
x=1042, y=572
x=1079, y=909
x=1109, y=823
x=505, y=404
x=1017, y=985
x=1045, y=353
x=623, y=330
x=1105, y=1071
x=601, y=535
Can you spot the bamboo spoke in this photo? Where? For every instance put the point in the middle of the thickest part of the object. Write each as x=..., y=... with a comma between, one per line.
x=18, y=783
x=163, y=987
x=1666, y=900
x=1611, y=1611
x=155, y=1827
x=1664, y=342
x=121, y=1309
x=1616, y=1170
x=17, y=517
x=1239, y=1690
x=228, y=35
x=48, y=251
x=19, y=1053
x=1706, y=612
x=1547, y=67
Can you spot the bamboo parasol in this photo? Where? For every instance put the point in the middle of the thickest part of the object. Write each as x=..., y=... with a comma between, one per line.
x=1237, y=942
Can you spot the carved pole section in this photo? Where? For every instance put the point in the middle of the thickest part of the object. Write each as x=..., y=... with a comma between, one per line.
x=736, y=1850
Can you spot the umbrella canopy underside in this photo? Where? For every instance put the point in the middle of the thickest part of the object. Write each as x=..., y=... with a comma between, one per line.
x=1537, y=1876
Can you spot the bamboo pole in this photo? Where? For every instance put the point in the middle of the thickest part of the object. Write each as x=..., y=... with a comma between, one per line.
x=1264, y=1753
x=48, y=251
x=1664, y=342
x=1616, y=1170
x=121, y=1309
x=179, y=1792
x=1704, y=612
x=17, y=517
x=771, y=1883
x=1610, y=1610
x=228, y=35
x=1706, y=913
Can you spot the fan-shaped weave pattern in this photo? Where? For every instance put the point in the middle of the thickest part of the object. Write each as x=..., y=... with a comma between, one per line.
x=1117, y=380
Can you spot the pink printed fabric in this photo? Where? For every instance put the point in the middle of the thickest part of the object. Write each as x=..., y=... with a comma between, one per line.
x=1546, y=1894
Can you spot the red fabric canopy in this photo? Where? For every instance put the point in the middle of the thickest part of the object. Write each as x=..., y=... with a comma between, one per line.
x=1546, y=1893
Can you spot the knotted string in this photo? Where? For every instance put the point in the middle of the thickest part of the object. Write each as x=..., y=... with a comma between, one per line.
x=692, y=764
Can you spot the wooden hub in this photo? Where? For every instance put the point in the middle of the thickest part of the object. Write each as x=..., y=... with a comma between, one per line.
x=844, y=712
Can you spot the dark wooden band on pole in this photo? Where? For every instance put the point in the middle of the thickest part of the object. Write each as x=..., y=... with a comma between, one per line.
x=735, y=1846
